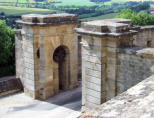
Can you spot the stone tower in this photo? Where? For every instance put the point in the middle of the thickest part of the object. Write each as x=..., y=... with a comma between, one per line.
x=47, y=54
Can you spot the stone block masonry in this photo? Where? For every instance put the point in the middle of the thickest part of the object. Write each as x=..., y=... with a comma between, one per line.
x=145, y=36
x=136, y=102
x=134, y=66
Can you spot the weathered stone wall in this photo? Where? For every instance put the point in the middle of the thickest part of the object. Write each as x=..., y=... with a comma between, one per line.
x=46, y=68
x=19, y=54
x=28, y=79
x=145, y=37
x=91, y=70
x=133, y=67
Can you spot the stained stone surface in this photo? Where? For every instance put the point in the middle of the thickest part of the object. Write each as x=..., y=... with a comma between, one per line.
x=136, y=102
x=145, y=37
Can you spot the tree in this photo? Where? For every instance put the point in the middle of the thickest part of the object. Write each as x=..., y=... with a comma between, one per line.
x=7, y=49
x=141, y=19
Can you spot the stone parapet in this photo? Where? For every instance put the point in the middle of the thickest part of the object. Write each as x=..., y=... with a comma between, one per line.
x=136, y=102
x=145, y=37
x=138, y=51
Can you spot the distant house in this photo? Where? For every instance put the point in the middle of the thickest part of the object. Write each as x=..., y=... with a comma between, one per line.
x=152, y=11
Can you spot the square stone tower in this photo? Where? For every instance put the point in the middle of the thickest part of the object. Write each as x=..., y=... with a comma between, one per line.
x=47, y=54
x=100, y=43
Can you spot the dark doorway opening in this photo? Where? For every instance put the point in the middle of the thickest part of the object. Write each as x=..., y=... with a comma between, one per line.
x=61, y=56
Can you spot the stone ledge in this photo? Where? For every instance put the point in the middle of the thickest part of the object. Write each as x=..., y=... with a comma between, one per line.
x=146, y=52
x=138, y=51
x=102, y=34
x=136, y=102
x=50, y=19
x=149, y=27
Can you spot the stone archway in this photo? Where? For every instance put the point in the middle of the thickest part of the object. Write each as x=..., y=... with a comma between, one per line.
x=61, y=57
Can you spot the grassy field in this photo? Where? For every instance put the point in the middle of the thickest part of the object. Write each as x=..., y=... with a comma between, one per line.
x=107, y=16
x=68, y=2
x=19, y=11
x=85, y=2
x=20, y=1
x=72, y=2
x=76, y=2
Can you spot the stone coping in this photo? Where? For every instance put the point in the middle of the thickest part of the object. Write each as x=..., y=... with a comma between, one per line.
x=146, y=52
x=109, y=27
x=102, y=34
x=139, y=51
x=50, y=19
x=136, y=102
x=130, y=50
x=147, y=27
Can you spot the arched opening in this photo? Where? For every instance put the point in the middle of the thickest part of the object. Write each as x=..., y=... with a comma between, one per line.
x=61, y=57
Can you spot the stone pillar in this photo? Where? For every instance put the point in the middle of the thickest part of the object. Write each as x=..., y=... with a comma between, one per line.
x=42, y=35
x=100, y=42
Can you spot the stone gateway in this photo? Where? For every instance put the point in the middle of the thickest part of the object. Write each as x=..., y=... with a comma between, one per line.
x=48, y=50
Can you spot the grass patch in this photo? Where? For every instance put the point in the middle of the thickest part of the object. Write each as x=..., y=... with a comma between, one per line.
x=76, y=3
x=106, y=16
x=8, y=10
x=19, y=1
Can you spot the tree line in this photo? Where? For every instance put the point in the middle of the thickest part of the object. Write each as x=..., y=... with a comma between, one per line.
x=140, y=19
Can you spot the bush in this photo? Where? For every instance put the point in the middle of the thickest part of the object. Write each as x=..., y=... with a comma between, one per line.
x=7, y=50
x=141, y=19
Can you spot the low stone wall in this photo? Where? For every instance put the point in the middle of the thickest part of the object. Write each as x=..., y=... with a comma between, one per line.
x=145, y=37
x=134, y=66
x=136, y=102
x=10, y=85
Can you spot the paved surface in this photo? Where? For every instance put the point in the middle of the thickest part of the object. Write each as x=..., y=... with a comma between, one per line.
x=64, y=105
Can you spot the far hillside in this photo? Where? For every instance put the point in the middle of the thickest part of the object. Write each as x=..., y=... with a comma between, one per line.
x=10, y=10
